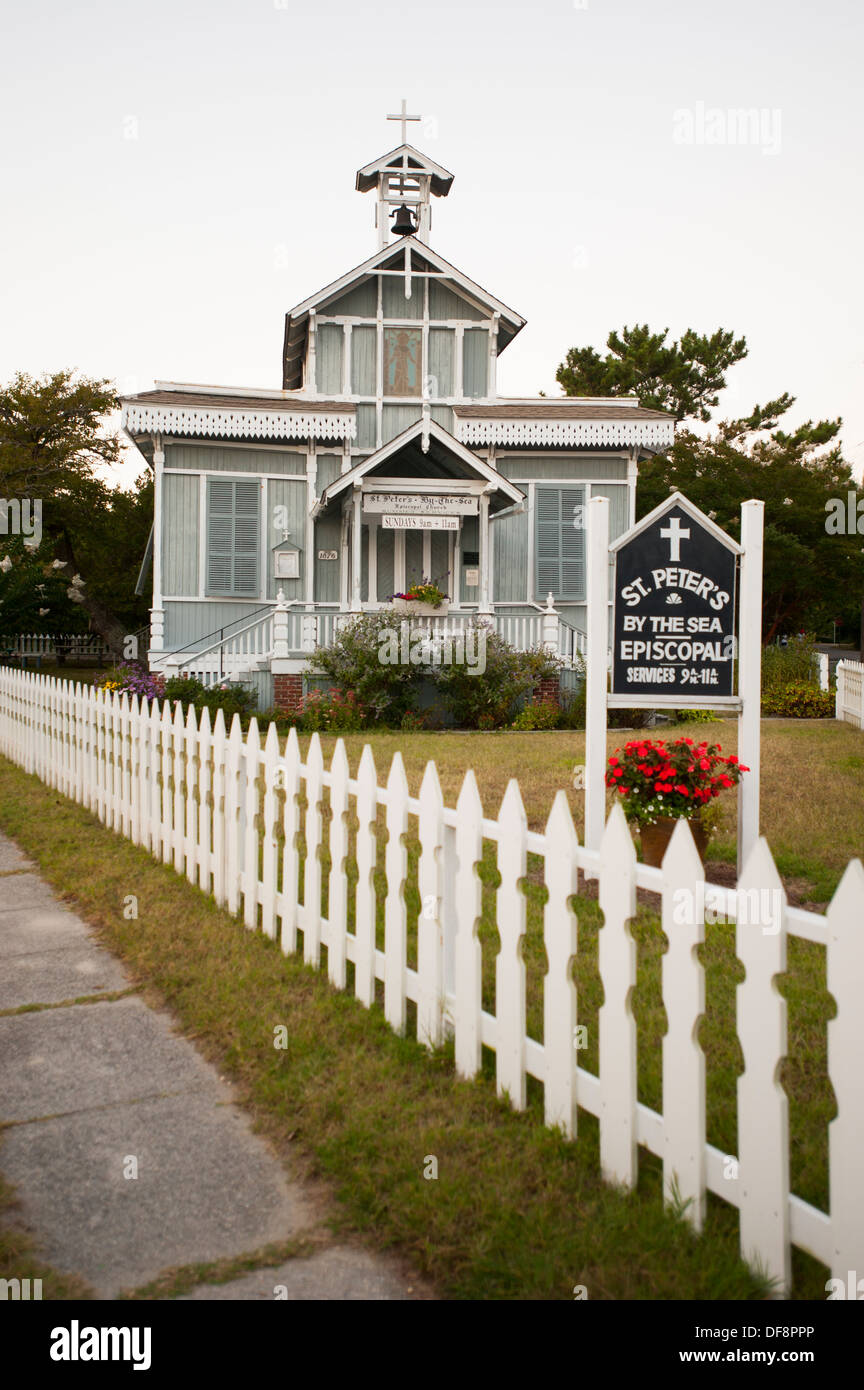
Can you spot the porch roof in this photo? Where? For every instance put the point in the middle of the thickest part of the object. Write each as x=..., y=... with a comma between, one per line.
x=443, y=459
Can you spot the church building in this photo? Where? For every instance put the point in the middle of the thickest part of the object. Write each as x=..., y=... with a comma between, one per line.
x=386, y=457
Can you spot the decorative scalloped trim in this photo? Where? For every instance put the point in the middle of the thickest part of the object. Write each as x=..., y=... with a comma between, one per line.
x=237, y=424
x=651, y=433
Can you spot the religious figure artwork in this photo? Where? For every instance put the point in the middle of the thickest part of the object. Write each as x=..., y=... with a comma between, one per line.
x=402, y=354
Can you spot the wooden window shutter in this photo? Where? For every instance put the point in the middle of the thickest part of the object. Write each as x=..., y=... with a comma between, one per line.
x=233, y=529
x=559, y=544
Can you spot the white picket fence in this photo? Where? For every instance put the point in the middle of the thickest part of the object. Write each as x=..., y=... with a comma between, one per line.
x=45, y=644
x=209, y=802
x=850, y=692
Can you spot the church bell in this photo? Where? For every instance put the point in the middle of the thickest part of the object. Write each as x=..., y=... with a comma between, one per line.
x=403, y=224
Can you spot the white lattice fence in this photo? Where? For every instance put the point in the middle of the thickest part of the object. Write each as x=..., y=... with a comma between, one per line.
x=210, y=802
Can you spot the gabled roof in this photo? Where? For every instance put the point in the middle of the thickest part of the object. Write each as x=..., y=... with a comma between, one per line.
x=297, y=319
x=407, y=160
x=442, y=449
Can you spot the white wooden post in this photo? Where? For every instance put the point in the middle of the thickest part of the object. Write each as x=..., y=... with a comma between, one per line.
x=395, y=917
x=559, y=989
x=337, y=901
x=511, y=904
x=750, y=676
x=249, y=793
x=430, y=933
x=845, y=980
x=205, y=822
x=268, y=854
x=763, y=1108
x=290, y=852
x=191, y=844
x=357, y=553
x=551, y=627
x=483, y=605
x=684, y=998
x=311, y=919
x=595, y=676
x=468, y=893
x=617, y=1026
x=364, y=919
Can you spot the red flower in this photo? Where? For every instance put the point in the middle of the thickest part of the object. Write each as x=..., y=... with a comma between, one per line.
x=682, y=789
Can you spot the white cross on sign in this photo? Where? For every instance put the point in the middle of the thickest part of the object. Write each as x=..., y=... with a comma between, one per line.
x=404, y=118
x=675, y=534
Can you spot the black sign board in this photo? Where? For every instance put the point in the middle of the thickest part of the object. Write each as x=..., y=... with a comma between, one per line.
x=674, y=614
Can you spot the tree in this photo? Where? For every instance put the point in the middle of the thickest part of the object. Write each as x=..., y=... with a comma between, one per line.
x=684, y=378
x=811, y=576
x=53, y=439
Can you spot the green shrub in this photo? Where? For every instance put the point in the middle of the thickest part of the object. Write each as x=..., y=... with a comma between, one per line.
x=332, y=712
x=695, y=716
x=790, y=665
x=385, y=690
x=799, y=700
x=487, y=699
x=539, y=714
x=232, y=698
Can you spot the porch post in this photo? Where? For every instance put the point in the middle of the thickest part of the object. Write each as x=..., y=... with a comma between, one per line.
x=357, y=551
x=484, y=605
x=157, y=612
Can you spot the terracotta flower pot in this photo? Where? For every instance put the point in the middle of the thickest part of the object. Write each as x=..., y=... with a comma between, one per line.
x=655, y=839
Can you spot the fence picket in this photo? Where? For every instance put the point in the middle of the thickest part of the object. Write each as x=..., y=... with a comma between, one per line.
x=268, y=828
x=311, y=919
x=509, y=966
x=190, y=846
x=364, y=917
x=290, y=850
x=763, y=1108
x=395, y=913
x=337, y=899
x=468, y=895
x=178, y=822
x=233, y=820
x=845, y=981
x=683, y=977
x=219, y=836
x=165, y=814
x=205, y=811
x=249, y=791
x=617, y=1026
x=559, y=988
x=430, y=942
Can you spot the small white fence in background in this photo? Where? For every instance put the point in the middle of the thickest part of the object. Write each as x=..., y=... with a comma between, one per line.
x=210, y=802
x=37, y=644
x=850, y=692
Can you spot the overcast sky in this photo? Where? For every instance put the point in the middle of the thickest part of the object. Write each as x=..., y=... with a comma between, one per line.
x=178, y=174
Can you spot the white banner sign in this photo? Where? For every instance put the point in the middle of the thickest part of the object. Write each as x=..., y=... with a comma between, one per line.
x=417, y=503
x=420, y=523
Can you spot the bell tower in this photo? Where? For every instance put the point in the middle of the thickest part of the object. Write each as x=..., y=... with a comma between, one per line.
x=405, y=182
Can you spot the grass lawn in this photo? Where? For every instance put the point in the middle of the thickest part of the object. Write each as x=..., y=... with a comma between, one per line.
x=516, y=1212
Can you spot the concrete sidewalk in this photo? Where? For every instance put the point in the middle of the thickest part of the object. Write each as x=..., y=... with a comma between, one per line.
x=93, y=1092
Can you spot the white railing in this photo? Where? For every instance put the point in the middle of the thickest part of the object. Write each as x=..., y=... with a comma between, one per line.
x=213, y=804
x=522, y=630
x=850, y=692
x=226, y=659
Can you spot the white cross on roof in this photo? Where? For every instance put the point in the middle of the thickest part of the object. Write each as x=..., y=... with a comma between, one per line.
x=404, y=118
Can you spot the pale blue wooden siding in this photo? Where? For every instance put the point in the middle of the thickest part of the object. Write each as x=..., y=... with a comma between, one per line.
x=440, y=561
x=180, y=526
x=393, y=301
x=366, y=427
x=208, y=458
x=386, y=563
x=328, y=536
x=291, y=494
x=444, y=303
x=510, y=556
x=475, y=362
x=414, y=558
x=442, y=355
x=361, y=301
x=442, y=415
x=619, y=516
x=329, y=346
x=364, y=344
x=560, y=466
x=186, y=623
x=328, y=470
x=469, y=543
x=396, y=418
